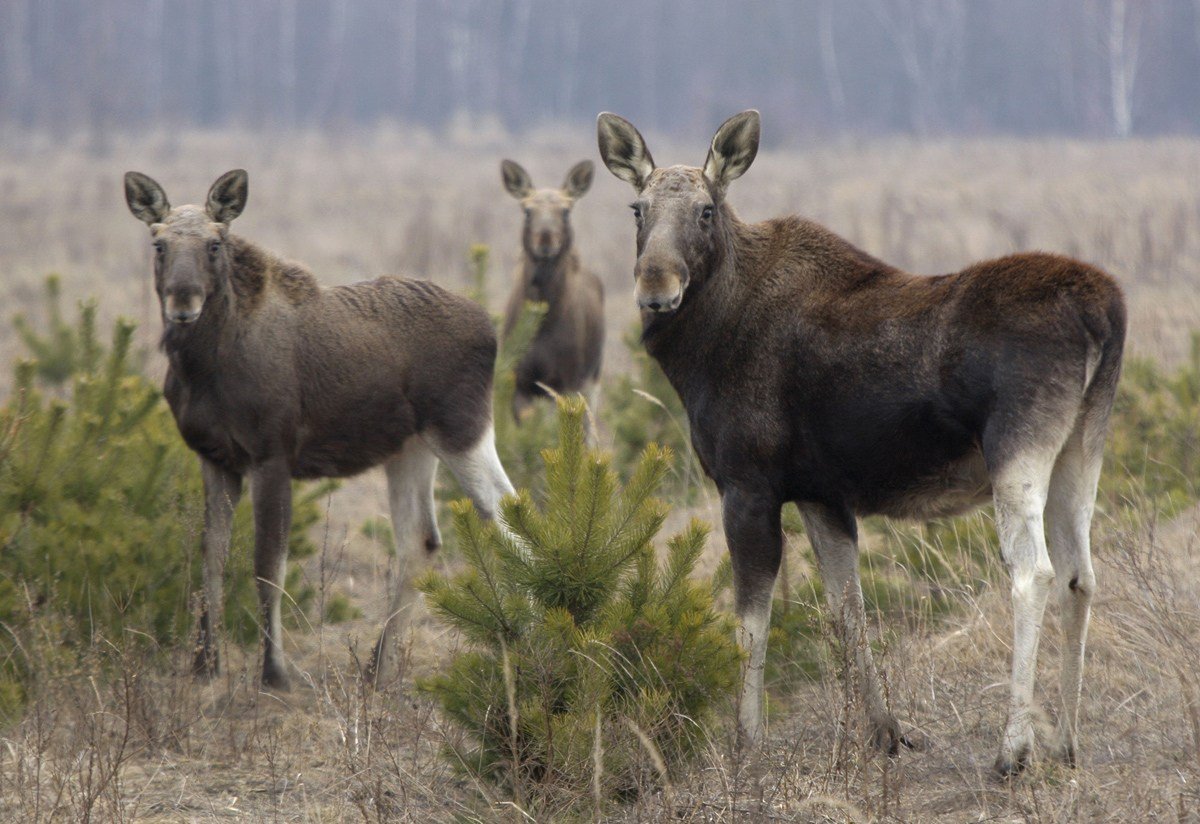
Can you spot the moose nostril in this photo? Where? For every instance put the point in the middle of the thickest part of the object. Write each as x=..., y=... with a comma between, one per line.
x=654, y=305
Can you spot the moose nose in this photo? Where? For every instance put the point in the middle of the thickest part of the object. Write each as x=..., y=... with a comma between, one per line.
x=660, y=303
x=183, y=316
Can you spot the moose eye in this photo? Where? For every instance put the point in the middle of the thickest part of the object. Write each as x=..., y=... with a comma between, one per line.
x=214, y=248
x=159, y=247
x=637, y=211
x=566, y=213
x=707, y=212
x=528, y=212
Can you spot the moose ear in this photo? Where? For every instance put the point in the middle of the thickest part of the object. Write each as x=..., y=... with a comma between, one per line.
x=227, y=197
x=146, y=198
x=733, y=149
x=516, y=180
x=623, y=150
x=579, y=179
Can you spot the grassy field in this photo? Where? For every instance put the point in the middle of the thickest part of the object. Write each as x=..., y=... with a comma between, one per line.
x=115, y=740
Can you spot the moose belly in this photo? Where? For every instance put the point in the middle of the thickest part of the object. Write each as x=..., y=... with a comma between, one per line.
x=954, y=488
x=353, y=439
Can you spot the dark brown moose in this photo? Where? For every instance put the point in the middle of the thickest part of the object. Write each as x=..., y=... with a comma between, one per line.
x=273, y=377
x=812, y=372
x=565, y=354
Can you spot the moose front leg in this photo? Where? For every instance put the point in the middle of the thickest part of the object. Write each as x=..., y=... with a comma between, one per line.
x=836, y=546
x=222, y=490
x=272, y=493
x=755, y=538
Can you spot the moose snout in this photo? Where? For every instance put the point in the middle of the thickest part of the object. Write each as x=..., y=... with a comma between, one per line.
x=183, y=309
x=660, y=289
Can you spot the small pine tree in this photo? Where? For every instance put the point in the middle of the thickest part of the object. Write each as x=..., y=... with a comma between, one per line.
x=582, y=651
x=100, y=511
x=65, y=348
x=643, y=408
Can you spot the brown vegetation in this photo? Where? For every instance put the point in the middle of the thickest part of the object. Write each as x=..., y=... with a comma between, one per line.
x=117, y=740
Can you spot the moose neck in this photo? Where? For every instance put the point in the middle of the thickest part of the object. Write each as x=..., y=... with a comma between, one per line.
x=689, y=342
x=545, y=278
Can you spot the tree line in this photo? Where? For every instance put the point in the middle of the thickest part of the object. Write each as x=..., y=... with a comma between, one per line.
x=820, y=67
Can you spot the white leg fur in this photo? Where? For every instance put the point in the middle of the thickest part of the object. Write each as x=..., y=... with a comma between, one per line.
x=837, y=559
x=755, y=624
x=479, y=472
x=410, y=477
x=1020, y=496
x=1069, y=509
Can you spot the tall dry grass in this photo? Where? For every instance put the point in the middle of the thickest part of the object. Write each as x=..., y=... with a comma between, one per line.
x=394, y=201
x=116, y=738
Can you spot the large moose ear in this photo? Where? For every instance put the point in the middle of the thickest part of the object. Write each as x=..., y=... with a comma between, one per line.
x=516, y=180
x=227, y=197
x=146, y=198
x=579, y=179
x=733, y=149
x=623, y=150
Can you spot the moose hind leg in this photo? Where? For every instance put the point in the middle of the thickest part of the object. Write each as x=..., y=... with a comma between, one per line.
x=222, y=490
x=410, y=478
x=271, y=491
x=1020, y=493
x=1069, y=508
x=755, y=538
x=478, y=471
x=836, y=546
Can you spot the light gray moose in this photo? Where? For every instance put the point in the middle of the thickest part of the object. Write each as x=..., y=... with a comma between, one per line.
x=565, y=353
x=272, y=377
x=812, y=372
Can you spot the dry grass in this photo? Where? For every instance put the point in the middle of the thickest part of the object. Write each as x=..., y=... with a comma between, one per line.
x=127, y=740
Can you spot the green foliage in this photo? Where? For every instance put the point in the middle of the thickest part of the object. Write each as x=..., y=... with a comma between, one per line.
x=579, y=644
x=379, y=530
x=643, y=408
x=338, y=609
x=1153, y=449
x=65, y=348
x=520, y=445
x=100, y=512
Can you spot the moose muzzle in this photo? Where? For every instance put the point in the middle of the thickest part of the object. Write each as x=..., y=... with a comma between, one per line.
x=183, y=307
x=660, y=287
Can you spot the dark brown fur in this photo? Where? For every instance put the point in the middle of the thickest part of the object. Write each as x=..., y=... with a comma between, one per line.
x=814, y=373
x=272, y=377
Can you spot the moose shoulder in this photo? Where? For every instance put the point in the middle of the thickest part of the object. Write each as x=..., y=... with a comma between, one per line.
x=273, y=377
x=566, y=352
x=812, y=372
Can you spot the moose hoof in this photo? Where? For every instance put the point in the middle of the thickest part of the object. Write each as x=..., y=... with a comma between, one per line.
x=886, y=735
x=274, y=678
x=1065, y=753
x=1009, y=765
x=381, y=670
x=205, y=665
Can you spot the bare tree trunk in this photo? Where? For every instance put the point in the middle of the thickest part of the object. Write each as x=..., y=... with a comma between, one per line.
x=1124, y=29
x=829, y=62
x=287, y=62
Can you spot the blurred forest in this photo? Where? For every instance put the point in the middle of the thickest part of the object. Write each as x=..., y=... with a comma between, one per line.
x=820, y=67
